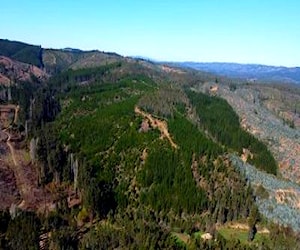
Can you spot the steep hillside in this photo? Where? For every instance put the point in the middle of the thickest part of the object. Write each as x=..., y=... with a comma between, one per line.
x=12, y=72
x=278, y=200
x=282, y=100
x=282, y=139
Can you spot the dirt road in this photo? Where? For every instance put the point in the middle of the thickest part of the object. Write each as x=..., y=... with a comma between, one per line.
x=23, y=184
x=162, y=126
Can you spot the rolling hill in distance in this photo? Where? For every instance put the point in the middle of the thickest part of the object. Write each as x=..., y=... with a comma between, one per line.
x=101, y=151
x=251, y=72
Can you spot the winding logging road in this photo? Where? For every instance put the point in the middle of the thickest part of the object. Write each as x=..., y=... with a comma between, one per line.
x=155, y=123
x=22, y=183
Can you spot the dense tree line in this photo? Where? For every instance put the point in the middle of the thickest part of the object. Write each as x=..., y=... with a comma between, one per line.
x=164, y=101
x=52, y=157
x=218, y=117
x=170, y=183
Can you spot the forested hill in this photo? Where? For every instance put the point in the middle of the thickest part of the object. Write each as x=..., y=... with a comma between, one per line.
x=130, y=154
x=54, y=60
x=22, y=52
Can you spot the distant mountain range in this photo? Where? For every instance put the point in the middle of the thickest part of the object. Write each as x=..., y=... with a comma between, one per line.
x=251, y=72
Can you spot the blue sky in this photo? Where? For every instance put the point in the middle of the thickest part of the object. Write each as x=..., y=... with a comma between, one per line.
x=244, y=31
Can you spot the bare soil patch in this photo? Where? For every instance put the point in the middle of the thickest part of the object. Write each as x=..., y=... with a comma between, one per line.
x=162, y=126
